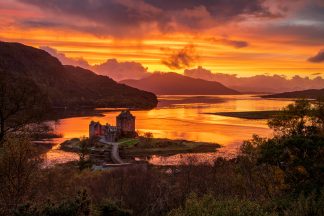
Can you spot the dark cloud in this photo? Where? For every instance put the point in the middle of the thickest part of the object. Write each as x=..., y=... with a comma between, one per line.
x=303, y=26
x=316, y=74
x=39, y=24
x=219, y=9
x=112, y=68
x=319, y=57
x=114, y=16
x=182, y=58
x=313, y=10
x=232, y=43
x=301, y=34
x=236, y=44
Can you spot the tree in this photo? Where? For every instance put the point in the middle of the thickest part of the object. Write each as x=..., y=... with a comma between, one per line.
x=294, y=120
x=84, y=161
x=147, y=138
x=21, y=103
x=110, y=208
x=148, y=135
x=74, y=206
x=297, y=147
x=19, y=165
x=303, y=118
x=209, y=206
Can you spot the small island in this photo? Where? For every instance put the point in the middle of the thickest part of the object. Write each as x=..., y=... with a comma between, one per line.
x=252, y=115
x=121, y=144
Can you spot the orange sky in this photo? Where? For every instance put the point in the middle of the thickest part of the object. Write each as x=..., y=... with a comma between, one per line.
x=276, y=39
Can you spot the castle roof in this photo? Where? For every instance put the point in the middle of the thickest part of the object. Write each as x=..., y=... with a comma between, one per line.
x=125, y=114
x=94, y=123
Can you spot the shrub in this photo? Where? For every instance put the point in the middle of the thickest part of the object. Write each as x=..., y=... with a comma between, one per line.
x=111, y=209
x=209, y=206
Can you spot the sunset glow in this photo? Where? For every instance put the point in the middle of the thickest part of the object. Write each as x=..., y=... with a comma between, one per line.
x=268, y=37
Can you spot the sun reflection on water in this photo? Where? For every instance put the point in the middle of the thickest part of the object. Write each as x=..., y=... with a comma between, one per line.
x=182, y=120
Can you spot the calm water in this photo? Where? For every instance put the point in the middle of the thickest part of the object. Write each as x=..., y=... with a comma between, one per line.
x=183, y=117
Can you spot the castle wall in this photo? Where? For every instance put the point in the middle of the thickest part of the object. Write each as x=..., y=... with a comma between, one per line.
x=111, y=136
x=126, y=125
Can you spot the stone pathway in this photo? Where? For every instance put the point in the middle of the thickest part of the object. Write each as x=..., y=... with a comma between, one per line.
x=114, y=152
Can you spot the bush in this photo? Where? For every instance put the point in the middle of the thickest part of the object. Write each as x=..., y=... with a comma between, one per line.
x=111, y=209
x=312, y=205
x=77, y=206
x=209, y=206
x=297, y=148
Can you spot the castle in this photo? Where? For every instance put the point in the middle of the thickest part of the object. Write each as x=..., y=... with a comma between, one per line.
x=125, y=127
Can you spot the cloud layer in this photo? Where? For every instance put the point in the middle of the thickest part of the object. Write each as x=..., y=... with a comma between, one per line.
x=259, y=83
x=231, y=36
x=112, y=68
x=121, y=70
x=115, y=16
x=232, y=43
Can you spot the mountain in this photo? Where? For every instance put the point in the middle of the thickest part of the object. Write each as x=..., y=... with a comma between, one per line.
x=258, y=83
x=310, y=94
x=173, y=83
x=68, y=85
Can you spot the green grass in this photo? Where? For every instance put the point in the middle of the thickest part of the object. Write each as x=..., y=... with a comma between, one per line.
x=128, y=142
x=142, y=146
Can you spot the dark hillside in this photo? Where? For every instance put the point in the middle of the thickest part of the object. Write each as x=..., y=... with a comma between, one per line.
x=68, y=85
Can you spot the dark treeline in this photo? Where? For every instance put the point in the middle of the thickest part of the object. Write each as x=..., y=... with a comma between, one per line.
x=21, y=106
x=282, y=175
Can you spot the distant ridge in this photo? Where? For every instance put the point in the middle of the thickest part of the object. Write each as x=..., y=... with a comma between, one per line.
x=68, y=85
x=176, y=84
x=307, y=94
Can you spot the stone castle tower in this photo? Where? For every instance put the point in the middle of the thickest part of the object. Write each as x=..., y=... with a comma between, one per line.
x=125, y=128
x=126, y=124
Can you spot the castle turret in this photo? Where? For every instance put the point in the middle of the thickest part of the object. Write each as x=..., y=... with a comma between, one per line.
x=126, y=124
x=95, y=129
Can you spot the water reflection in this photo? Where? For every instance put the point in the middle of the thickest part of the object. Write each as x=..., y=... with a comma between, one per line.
x=184, y=117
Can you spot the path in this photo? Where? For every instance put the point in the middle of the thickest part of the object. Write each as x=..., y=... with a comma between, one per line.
x=114, y=152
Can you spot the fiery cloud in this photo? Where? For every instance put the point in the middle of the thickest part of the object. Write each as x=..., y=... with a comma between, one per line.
x=259, y=83
x=182, y=58
x=111, y=67
x=246, y=37
x=121, y=70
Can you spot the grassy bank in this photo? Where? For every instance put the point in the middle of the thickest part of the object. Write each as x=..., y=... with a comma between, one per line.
x=141, y=147
x=249, y=114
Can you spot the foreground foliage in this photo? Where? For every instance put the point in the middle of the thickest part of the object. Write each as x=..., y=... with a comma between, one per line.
x=209, y=206
x=297, y=148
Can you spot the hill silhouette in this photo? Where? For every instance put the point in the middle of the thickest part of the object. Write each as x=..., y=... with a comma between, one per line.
x=68, y=85
x=307, y=94
x=176, y=84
